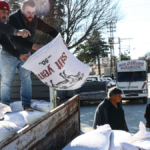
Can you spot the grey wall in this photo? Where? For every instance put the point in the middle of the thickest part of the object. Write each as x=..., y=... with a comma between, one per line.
x=39, y=89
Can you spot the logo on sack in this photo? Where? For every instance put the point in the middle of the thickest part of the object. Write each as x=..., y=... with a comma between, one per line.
x=5, y=7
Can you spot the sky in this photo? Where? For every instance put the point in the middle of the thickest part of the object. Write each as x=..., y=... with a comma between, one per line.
x=136, y=26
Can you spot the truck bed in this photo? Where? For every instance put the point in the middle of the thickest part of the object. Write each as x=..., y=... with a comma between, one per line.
x=93, y=91
x=96, y=95
x=51, y=132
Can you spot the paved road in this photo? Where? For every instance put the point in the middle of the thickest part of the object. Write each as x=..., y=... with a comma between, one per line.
x=134, y=113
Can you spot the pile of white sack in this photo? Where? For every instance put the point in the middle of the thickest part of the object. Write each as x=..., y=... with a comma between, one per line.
x=103, y=138
x=16, y=118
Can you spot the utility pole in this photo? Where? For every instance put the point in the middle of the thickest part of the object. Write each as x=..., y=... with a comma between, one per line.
x=111, y=26
x=119, y=49
x=99, y=68
x=119, y=41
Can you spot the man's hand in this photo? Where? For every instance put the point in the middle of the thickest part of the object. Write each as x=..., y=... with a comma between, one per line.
x=66, y=45
x=24, y=57
x=24, y=33
x=37, y=46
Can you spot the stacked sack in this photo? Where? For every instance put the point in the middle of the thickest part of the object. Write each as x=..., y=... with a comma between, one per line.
x=39, y=105
x=16, y=118
x=23, y=118
x=7, y=128
x=94, y=140
x=103, y=138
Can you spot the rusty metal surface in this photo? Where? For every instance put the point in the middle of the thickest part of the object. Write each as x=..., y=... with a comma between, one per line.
x=61, y=136
x=93, y=95
x=41, y=129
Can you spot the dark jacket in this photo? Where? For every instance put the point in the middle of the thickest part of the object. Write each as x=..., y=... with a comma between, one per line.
x=5, y=40
x=6, y=29
x=101, y=116
x=147, y=116
x=18, y=21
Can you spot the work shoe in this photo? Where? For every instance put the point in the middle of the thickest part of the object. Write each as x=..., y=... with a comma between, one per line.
x=28, y=107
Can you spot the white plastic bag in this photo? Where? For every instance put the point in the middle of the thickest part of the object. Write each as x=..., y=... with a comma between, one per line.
x=117, y=137
x=94, y=140
x=145, y=143
x=3, y=109
x=41, y=105
x=141, y=134
x=127, y=146
x=15, y=117
x=57, y=67
x=16, y=106
x=7, y=129
x=32, y=116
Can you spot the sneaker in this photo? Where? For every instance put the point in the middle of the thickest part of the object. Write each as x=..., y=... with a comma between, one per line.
x=28, y=108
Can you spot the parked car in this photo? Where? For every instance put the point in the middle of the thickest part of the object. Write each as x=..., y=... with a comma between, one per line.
x=112, y=82
x=105, y=79
x=93, y=78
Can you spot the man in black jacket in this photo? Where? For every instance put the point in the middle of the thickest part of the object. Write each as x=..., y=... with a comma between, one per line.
x=147, y=115
x=9, y=30
x=27, y=19
x=110, y=112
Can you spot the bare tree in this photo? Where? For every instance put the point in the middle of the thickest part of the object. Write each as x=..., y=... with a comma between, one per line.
x=74, y=19
x=84, y=16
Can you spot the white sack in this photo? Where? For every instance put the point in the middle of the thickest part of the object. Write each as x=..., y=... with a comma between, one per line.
x=141, y=134
x=7, y=129
x=16, y=106
x=117, y=137
x=41, y=105
x=16, y=117
x=57, y=67
x=3, y=109
x=143, y=143
x=94, y=140
x=31, y=116
x=127, y=146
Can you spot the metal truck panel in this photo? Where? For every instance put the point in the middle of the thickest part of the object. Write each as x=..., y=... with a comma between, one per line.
x=134, y=95
x=93, y=95
x=48, y=130
x=131, y=65
x=138, y=85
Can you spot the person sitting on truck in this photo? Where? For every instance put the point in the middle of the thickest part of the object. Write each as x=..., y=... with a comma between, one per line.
x=110, y=111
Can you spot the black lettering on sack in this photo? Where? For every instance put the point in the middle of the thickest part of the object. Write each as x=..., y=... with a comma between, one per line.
x=45, y=61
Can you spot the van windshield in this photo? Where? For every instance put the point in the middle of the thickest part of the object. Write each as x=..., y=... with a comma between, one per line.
x=131, y=76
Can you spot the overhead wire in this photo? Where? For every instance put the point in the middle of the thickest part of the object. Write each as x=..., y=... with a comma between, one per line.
x=136, y=5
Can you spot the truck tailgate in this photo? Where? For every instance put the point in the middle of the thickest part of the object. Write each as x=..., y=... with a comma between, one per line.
x=51, y=132
x=96, y=95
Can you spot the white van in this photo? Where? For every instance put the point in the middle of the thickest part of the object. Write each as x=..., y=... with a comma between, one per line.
x=131, y=78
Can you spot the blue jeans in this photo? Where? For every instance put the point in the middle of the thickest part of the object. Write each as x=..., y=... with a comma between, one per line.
x=9, y=64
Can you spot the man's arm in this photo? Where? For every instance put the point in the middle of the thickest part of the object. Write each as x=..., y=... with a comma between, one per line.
x=97, y=119
x=9, y=30
x=44, y=27
x=6, y=29
x=10, y=48
x=28, y=44
x=13, y=22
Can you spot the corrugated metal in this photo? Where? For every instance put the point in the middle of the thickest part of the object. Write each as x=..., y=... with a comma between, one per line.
x=39, y=89
x=53, y=131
